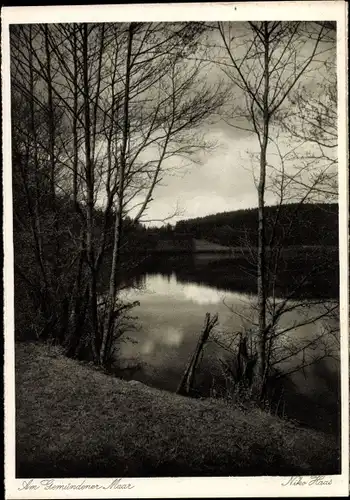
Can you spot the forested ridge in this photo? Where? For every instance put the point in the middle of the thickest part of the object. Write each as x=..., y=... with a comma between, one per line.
x=306, y=224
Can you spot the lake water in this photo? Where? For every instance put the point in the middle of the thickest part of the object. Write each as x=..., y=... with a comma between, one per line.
x=173, y=303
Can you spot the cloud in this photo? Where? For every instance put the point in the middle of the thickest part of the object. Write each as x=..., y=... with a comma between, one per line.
x=222, y=182
x=224, y=178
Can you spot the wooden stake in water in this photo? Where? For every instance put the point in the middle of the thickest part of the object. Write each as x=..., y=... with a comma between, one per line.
x=186, y=383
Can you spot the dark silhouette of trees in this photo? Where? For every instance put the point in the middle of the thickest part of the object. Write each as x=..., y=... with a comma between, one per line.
x=98, y=111
x=317, y=225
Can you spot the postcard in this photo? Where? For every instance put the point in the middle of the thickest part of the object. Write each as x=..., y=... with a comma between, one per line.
x=176, y=250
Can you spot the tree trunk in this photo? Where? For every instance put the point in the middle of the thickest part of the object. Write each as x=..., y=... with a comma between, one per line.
x=260, y=371
x=118, y=227
x=90, y=184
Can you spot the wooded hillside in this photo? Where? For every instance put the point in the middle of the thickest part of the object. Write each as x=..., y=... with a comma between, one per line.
x=295, y=224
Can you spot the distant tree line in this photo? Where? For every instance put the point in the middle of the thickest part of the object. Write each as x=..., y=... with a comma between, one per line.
x=314, y=225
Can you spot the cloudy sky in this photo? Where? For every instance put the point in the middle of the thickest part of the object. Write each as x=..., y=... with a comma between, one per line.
x=223, y=180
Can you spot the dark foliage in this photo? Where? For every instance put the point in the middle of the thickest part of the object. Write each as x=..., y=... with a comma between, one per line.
x=311, y=224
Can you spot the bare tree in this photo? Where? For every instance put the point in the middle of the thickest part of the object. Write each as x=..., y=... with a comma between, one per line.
x=312, y=122
x=266, y=61
x=131, y=103
x=36, y=124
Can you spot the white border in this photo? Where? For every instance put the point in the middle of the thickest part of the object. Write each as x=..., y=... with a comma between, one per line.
x=179, y=487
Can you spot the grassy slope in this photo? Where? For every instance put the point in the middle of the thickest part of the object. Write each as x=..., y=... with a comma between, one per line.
x=73, y=420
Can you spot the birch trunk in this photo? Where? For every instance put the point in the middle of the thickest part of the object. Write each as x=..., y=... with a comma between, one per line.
x=90, y=186
x=259, y=378
x=118, y=227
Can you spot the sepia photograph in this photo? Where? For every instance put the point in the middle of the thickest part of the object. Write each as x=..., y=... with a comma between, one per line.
x=176, y=259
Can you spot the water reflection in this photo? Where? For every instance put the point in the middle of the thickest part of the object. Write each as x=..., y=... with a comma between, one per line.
x=158, y=285
x=171, y=315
